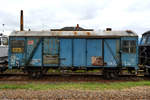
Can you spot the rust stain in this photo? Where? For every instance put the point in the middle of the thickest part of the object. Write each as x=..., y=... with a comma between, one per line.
x=129, y=31
x=52, y=33
x=97, y=61
x=88, y=33
x=21, y=21
x=59, y=33
x=75, y=33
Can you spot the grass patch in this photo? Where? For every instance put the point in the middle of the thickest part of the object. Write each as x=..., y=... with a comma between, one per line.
x=77, y=71
x=75, y=86
x=13, y=71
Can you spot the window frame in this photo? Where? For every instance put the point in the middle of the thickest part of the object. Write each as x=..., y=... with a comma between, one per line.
x=17, y=46
x=129, y=46
x=2, y=41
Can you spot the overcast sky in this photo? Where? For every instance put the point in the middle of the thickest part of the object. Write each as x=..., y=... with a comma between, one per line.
x=97, y=14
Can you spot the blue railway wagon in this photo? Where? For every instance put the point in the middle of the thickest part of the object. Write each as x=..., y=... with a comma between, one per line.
x=35, y=51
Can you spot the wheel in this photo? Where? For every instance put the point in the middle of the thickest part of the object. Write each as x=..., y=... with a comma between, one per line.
x=110, y=74
x=106, y=74
x=32, y=74
x=35, y=74
x=39, y=74
x=114, y=75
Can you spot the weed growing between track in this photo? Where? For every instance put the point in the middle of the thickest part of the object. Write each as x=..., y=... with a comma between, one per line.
x=74, y=86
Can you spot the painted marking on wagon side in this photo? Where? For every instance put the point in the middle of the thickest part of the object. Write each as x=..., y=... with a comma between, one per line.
x=30, y=42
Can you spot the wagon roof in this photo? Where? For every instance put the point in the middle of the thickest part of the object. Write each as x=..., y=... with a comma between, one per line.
x=74, y=33
x=146, y=33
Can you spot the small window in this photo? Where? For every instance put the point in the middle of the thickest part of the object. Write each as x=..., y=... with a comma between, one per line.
x=143, y=40
x=148, y=40
x=5, y=40
x=17, y=46
x=129, y=46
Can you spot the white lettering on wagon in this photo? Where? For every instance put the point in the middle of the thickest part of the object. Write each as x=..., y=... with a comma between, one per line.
x=34, y=61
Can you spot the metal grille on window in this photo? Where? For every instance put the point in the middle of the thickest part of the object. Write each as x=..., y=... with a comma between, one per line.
x=17, y=46
x=148, y=40
x=129, y=46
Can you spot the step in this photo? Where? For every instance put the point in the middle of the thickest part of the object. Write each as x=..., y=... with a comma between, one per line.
x=140, y=70
x=140, y=75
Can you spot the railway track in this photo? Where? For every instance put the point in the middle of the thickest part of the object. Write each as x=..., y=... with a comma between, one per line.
x=74, y=77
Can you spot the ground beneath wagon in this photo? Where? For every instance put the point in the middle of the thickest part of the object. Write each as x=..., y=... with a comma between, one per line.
x=139, y=92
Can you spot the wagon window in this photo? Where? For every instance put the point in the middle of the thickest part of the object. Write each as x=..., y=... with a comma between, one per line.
x=5, y=40
x=17, y=46
x=143, y=40
x=129, y=46
x=148, y=40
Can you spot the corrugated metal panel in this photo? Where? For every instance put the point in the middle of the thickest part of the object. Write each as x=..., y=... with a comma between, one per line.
x=50, y=52
x=16, y=59
x=79, y=52
x=94, y=49
x=130, y=59
x=51, y=46
x=36, y=59
x=110, y=52
x=66, y=52
x=72, y=52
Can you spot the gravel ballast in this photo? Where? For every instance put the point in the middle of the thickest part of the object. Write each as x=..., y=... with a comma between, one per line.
x=140, y=93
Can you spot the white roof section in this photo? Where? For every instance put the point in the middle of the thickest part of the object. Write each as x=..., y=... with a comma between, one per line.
x=73, y=33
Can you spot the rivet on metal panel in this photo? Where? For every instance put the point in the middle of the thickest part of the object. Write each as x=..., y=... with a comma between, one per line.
x=75, y=33
x=88, y=33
